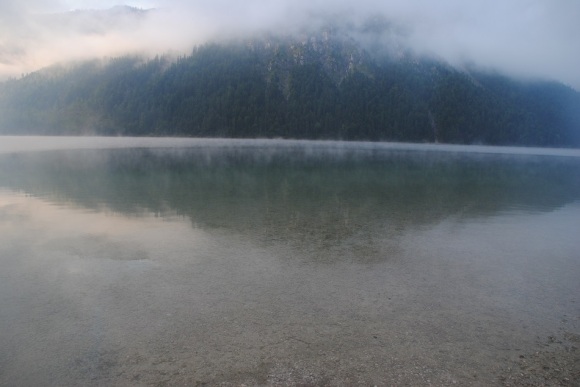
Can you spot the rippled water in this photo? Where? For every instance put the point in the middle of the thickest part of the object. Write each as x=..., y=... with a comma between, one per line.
x=151, y=261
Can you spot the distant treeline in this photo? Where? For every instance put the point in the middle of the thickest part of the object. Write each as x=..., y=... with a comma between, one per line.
x=316, y=89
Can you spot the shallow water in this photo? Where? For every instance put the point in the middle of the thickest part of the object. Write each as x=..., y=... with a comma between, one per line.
x=151, y=261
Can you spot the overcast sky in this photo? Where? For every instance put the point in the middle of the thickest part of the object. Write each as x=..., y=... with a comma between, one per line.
x=526, y=38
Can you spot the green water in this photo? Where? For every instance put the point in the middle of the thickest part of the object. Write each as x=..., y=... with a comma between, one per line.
x=281, y=262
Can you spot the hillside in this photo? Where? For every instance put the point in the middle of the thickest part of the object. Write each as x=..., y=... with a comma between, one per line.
x=320, y=86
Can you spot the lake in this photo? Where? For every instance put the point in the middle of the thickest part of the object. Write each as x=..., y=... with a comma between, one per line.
x=142, y=261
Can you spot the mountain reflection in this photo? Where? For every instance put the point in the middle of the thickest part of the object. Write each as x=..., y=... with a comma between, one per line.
x=320, y=196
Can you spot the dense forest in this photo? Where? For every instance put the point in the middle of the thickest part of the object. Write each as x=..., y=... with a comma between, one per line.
x=318, y=87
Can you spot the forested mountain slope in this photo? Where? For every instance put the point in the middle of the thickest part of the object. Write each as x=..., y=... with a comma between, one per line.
x=320, y=86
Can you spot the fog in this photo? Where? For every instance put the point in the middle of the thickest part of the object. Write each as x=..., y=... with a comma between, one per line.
x=524, y=38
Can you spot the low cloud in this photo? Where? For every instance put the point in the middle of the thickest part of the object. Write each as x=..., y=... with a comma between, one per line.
x=525, y=38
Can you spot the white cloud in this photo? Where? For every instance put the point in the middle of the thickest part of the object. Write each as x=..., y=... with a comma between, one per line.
x=520, y=37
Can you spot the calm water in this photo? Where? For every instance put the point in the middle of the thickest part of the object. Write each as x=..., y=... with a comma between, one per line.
x=171, y=261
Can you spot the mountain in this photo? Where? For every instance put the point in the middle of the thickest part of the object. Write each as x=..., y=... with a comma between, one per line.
x=322, y=85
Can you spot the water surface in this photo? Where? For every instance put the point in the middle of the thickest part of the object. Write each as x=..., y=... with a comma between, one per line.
x=151, y=261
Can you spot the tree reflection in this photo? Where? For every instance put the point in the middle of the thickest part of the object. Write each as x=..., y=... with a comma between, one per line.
x=319, y=195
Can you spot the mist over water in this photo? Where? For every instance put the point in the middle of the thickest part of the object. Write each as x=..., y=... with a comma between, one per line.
x=282, y=262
